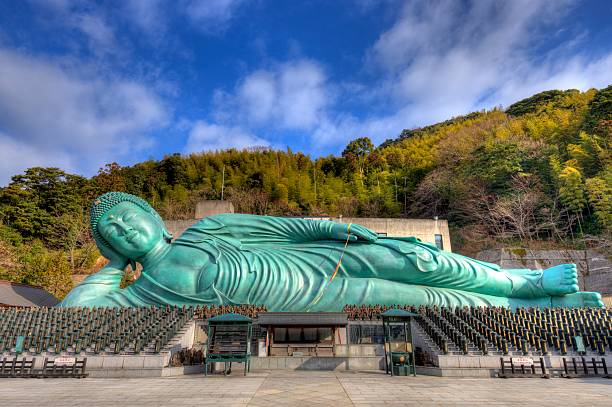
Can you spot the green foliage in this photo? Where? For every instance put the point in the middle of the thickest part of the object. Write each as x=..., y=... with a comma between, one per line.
x=35, y=265
x=494, y=163
x=34, y=203
x=10, y=236
x=600, y=197
x=572, y=189
x=409, y=133
x=536, y=102
x=600, y=111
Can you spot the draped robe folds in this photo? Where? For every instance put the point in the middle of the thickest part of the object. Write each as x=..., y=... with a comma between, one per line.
x=287, y=265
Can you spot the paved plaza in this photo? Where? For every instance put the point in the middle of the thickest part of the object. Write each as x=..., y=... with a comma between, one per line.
x=303, y=388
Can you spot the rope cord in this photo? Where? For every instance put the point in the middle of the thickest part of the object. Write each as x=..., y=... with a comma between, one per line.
x=320, y=295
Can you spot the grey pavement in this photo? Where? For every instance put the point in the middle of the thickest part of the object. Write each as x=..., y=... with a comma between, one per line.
x=304, y=388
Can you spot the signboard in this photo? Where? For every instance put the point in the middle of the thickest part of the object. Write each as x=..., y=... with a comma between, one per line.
x=522, y=361
x=19, y=344
x=579, y=344
x=64, y=361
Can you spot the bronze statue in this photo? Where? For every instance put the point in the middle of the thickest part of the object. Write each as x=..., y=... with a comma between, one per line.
x=292, y=264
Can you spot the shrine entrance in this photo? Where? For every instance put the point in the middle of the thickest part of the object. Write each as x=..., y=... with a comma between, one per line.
x=303, y=333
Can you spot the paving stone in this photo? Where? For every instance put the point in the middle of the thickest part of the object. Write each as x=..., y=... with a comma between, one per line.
x=308, y=388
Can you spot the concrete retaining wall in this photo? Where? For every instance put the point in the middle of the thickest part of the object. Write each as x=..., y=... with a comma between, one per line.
x=210, y=208
x=118, y=366
x=424, y=229
x=318, y=363
x=594, y=269
x=488, y=366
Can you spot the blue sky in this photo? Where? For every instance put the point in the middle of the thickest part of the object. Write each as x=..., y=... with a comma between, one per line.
x=86, y=83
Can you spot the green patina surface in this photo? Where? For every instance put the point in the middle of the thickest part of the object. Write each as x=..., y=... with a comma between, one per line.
x=289, y=264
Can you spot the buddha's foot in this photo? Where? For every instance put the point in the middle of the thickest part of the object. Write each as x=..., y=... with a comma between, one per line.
x=560, y=280
x=579, y=299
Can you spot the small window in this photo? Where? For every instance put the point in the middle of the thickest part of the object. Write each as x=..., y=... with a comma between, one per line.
x=439, y=242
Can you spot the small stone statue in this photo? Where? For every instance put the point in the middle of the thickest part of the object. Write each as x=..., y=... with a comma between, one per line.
x=291, y=264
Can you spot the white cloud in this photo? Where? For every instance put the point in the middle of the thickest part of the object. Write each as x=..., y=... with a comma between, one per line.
x=291, y=96
x=16, y=157
x=574, y=73
x=146, y=14
x=448, y=55
x=441, y=59
x=100, y=34
x=89, y=19
x=211, y=15
x=258, y=96
x=437, y=60
x=206, y=136
x=57, y=116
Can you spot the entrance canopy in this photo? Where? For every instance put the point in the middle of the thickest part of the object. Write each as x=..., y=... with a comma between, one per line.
x=303, y=318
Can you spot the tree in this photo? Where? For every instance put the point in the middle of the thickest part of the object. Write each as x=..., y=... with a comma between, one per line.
x=356, y=153
x=174, y=169
x=34, y=201
x=72, y=230
x=110, y=178
x=600, y=197
x=571, y=189
x=495, y=163
x=600, y=110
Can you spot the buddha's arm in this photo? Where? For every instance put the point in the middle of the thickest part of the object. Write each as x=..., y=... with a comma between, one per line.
x=253, y=229
x=100, y=289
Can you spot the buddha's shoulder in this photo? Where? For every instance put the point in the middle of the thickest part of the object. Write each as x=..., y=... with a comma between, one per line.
x=185, y=256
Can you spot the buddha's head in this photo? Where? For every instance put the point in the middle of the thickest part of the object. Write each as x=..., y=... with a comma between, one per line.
x=127, y=224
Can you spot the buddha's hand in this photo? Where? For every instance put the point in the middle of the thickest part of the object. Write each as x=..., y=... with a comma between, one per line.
x=116, y=260
x=354, y=232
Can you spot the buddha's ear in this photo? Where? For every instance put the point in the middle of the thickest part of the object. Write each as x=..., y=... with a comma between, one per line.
x=167, y=235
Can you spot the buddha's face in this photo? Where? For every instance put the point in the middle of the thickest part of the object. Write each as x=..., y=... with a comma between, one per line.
x=130, y=230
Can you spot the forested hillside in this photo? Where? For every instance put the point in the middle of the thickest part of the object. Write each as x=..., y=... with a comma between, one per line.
x=540, y=171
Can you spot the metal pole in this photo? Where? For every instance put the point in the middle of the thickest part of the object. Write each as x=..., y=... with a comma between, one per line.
x=348, y=347
x=385, y=346
x=395, y=182
x=222, y=181
x=405, y=202
x=315, y=181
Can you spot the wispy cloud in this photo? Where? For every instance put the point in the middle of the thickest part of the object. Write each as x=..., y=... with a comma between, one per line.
x=148, y=15
x=447, y=58
x=211, y=15
x=88, y=19
x=17, y=155
x=75, y=118
x=292, y=95
x=437, y=60
x=209, y=137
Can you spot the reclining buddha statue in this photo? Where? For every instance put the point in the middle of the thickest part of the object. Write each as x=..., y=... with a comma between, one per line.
x=292, y=264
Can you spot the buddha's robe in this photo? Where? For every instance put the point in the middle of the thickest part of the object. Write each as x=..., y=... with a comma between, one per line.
x=287, y=264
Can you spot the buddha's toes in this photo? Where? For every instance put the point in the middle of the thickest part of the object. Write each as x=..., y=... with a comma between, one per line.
x=579, y=299
x=560, y=280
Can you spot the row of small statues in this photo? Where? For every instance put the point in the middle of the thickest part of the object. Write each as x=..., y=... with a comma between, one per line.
x=583, y=315
x=206, y=312
x=372, y=312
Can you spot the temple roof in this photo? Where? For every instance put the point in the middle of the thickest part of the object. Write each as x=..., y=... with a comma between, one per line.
x=24, y=295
